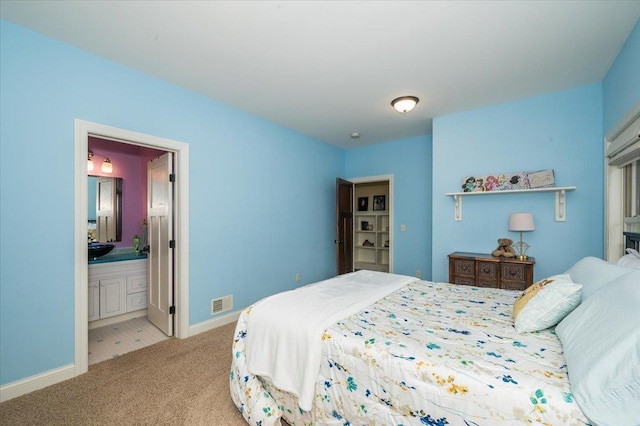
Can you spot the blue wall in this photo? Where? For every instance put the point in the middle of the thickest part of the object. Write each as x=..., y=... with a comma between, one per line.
x=409, y=161
x=621, y=85
x=251, y=179
x=560, y=131
x=261, y=195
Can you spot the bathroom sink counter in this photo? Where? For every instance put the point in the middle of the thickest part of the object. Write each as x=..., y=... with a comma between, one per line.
x=115, y=256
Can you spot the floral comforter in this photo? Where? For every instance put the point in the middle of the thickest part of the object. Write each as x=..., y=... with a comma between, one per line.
x=427, y=354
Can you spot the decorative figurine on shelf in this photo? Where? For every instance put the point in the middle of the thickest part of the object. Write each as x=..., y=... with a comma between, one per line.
x=504, y=248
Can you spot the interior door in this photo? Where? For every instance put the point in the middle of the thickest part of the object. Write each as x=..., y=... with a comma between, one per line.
x=160, y=236
x=344, y=226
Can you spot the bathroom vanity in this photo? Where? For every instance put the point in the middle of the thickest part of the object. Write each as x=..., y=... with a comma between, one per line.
x=118, y=287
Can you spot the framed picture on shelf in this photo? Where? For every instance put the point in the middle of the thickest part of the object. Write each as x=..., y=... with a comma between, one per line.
x=379, y=202
x=363, y=204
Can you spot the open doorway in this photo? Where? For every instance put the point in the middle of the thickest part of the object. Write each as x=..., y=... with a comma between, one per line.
x=118, y=282
x=364, y=224
x=83, y=131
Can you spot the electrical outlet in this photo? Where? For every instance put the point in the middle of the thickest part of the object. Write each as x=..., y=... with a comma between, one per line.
x=298, y=276
x=418, y=273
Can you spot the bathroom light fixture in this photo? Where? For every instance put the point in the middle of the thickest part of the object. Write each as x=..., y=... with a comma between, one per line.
x=404, y=104
x=521, y=222
x=90, y=161
x=107, y=167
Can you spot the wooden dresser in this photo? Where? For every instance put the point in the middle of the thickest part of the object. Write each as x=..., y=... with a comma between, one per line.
x=484, y=270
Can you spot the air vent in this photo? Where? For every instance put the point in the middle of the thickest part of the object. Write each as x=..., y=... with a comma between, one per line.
x=222, y=304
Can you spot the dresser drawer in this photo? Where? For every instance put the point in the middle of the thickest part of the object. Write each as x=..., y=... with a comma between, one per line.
x=488, y=270
x=464, y=267
x=509, y=285
x=487, y=284
x=513, y=272
x=464, y=280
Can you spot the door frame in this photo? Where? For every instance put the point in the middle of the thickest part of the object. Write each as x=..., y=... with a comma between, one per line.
x=381, y=178
x=82, y=131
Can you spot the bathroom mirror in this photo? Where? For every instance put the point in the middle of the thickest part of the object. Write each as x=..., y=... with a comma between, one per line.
x=104, y=209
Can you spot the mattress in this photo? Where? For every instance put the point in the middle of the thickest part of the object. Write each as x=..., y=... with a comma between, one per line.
x=426, y=354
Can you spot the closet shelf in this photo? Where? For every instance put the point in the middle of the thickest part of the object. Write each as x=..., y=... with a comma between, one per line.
x=561, y=199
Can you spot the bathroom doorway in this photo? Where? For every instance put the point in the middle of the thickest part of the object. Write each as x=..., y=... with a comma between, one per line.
x=83, y=131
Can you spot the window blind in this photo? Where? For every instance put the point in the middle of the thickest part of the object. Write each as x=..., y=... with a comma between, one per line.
x=624, y=147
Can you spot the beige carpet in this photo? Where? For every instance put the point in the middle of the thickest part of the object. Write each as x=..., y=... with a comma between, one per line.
x=177, y=382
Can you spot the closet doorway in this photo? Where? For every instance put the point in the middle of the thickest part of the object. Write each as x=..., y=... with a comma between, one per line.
x=364, y=224
x=180, y=151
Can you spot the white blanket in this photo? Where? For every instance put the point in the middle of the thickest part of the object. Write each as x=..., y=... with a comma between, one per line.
x=284, y=331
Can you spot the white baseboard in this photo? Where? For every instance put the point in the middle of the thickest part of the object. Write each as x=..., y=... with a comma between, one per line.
x=214, y=323
x=39, y=381
x=51, y=377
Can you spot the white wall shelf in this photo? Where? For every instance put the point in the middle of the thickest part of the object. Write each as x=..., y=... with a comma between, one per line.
x=561, y=199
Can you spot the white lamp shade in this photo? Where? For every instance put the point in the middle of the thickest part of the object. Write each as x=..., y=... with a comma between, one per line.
x=89, y=165
x=521, y=222
x=107, y=167
x=405, y=104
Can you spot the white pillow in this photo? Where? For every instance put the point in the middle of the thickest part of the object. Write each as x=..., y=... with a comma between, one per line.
x=551, y=303
x=601, y=343
x=593, y=273
x=631, y=260
x=633, y=252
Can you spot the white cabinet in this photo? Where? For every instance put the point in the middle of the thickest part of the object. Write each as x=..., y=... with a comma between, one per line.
x=113, y=297
x=94, y=300
x=116, y=288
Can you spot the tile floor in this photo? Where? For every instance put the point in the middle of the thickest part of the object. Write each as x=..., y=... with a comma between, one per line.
x=114, y=340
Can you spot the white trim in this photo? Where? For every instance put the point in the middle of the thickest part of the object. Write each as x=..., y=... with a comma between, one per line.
x=383, y=178
x=39, y=381
x=83, y=129
x=622, y=124
x=207, y=325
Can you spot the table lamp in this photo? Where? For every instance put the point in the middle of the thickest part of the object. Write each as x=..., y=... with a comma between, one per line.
x=521, y=222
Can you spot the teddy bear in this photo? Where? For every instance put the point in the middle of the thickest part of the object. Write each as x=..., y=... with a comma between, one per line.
x=504, y=248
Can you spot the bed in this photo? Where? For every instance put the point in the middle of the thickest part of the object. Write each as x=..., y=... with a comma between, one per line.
x=422, y=353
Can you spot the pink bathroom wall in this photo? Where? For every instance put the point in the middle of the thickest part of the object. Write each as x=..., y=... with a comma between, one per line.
x=129, y=163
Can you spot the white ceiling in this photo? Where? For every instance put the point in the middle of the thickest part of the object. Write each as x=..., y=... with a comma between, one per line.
x=330, y=68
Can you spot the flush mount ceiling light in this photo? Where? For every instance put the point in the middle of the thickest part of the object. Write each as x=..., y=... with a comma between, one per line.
x=107, y=167
x=404, y=104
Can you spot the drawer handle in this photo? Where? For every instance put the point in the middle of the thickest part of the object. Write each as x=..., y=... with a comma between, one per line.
x=486, y=270
x=513, y=272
